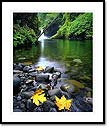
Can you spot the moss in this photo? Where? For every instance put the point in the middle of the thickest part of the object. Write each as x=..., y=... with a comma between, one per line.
x=81, y=26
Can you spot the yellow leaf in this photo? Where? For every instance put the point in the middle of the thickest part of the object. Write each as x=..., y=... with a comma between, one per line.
x=38, y=97
x=39, y=68
x=63, y=103
x=39, y=91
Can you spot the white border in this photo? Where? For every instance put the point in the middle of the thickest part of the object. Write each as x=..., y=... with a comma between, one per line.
x=7, y=61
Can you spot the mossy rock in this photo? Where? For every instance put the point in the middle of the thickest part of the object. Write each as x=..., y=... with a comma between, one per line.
x=76, y=83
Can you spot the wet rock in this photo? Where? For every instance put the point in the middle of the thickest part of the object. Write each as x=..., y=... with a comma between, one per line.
x=68, y=88
x=16, y=84
x=26, y=68
x=19, y=98
x=17, y=72
x=57, y=74
x=22, y=105
x=30, y=105
x=17, y=110
x=75, y=83
x=27, y=95
x=54, y=92
x=31, y=70
x=89, y=100
x=19, y=67
x=29, y=81
x=22, y=79
x=53, y=110
x=67, y=95
x=33, y=74
x=49, y=69
x=83, y=106
x=42, y=78
x=47, y=105
x=50, y=75
x=88, y=89
x=43, y=86
x=37, y=109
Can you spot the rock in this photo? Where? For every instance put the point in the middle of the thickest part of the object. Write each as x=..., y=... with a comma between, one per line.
x=42, y=78
x=26, y=68
x=37, y=109
x=14, y=65
x=19, y=98
x=30, y=105
x=33, y=74
x=89, y=100
x=68, y=88
x=22, y=79
x=54, y=92
x=49, y=69
x=43, y=86
x=53, y=110
x=17, y=72
x=22, y=105
x=67, y=95
x=31, y=70
x=17, y=110
x=19, y=67
x=88, y=89
x=47, y=105
x=50, y=75
x=83, y=106
x=27, y=95
x=16, y=84
x=29, y=81
x=57, y=73
x=77, y=61
x=75, y=83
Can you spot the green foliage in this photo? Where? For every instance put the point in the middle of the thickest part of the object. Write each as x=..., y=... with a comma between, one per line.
x=45, y=19
x=63, y=32
x=23, y=35
x=80, y=26
x=25, y=28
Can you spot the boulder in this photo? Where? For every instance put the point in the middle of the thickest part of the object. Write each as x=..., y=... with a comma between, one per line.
x=42, y=78
x=16, y=85
x=27, y=95
x=30, y=105
x=26, y=68
x=49, y=69
x=19, y=67
x=47, y=105
x=54, y=92
x=68, y=88
x=29, y=81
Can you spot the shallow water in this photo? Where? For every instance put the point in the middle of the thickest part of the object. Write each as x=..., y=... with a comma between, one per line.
x=59, y=54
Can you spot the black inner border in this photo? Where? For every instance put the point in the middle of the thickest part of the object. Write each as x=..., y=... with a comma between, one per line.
x=103, y=122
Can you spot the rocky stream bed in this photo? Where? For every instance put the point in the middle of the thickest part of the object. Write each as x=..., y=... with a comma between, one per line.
x=27, y=79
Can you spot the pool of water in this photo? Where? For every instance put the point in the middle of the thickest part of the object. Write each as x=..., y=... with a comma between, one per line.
x=60, y=54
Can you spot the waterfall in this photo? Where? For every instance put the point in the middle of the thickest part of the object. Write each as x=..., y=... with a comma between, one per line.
x=42, y=37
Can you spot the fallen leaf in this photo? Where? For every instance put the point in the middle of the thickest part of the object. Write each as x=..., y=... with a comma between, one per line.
x=38, y=97
x=63, y=103
x=39, y=68
x=39, y=91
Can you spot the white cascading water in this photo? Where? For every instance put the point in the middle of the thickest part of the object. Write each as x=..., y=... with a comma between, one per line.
x=42, y=37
